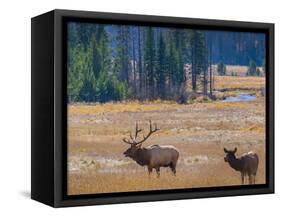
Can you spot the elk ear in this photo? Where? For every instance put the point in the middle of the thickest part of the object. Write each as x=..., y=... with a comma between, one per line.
x=225, y=150
x=234, y=151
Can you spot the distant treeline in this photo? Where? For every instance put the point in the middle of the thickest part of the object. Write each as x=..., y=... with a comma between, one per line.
x=236, y=48
x=116, y=62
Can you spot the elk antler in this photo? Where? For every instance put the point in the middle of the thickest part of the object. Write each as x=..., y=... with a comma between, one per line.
x=151, y=130
x=134, y=140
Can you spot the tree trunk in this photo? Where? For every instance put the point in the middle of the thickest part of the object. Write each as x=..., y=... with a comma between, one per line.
x=140, y=65
x=211, y=72
x=193, y=71
x=205, y=83
x=134, y=67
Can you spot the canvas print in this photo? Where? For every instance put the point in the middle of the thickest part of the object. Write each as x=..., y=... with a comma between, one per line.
x=156, y=108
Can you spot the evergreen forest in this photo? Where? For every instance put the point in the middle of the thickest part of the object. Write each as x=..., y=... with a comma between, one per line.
x=124, y=62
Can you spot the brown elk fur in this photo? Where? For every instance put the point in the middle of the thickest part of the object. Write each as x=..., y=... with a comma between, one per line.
x=247, y=164
x=154, y=156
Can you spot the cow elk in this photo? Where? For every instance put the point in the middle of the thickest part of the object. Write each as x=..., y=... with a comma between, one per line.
x=247, y=164
x=154, y=156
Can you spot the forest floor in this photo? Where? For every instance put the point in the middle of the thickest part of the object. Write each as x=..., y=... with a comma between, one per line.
x=199, y=131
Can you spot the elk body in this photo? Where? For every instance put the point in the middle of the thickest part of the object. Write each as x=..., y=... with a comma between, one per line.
x=154, y=156
x=247, y=164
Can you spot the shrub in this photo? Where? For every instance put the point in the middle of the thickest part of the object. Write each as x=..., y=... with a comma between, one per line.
x=183, y=95
x=252, y=69
x=221, y=68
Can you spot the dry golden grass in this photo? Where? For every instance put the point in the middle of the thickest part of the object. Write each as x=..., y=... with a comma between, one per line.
x=134, y=106
x=239, y=83
x=196, y=175
x=239, y=70
x=233, y=70
x=199, y=131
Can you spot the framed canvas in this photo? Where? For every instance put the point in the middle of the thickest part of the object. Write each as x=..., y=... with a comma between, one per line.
x=134, y=108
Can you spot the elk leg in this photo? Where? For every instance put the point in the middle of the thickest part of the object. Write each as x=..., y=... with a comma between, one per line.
x=158, y=171
x=255, y=177
x=173, y=168
x=242, y=178
x=149, y=170
x=250, y=179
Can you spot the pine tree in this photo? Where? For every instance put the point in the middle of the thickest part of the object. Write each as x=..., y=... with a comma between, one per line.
x=85, y=31
x=179, y=37
x=252, y=69
x=199, y=57
x=149, y=59
x=134, y=62
x=75, y=67
x=102, y=39
x=205, y=71
x=211, y=70
x=172, y=63
x=96, y=57
x=141, y=79
x=161, y=68
x=87, y=91
x=121, y=64
x=221, y=68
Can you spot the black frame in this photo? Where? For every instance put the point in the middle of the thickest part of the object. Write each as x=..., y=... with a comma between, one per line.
x=49, y=108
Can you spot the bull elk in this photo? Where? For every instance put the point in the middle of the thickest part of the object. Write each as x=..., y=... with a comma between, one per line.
x=154, y=156
x=247, y=164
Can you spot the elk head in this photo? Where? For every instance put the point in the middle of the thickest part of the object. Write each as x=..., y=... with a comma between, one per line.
x=229, y=154
x=136, y=144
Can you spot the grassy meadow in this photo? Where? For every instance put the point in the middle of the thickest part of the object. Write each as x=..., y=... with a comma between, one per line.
x=198, y=130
